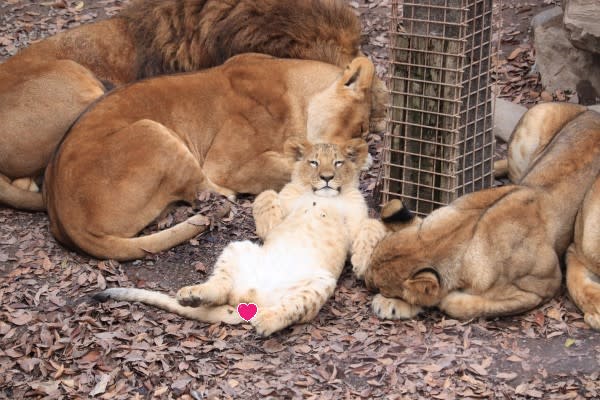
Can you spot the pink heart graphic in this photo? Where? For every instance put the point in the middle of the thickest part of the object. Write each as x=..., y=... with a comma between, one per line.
x=247, y=311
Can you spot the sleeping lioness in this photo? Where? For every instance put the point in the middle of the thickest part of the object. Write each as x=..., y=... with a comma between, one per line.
x=496, y=252
x=162, y=140
x=47, y=85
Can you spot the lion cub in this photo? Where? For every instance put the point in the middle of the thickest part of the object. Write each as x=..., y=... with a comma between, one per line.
x=308, y=229
x=497, y=251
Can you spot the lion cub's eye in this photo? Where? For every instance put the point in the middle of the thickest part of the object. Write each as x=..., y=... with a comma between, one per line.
x=314, y=164
x=338, y=164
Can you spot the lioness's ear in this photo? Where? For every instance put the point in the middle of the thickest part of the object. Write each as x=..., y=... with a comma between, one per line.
x=396, y=216
x=358, y=75
x=426, y=284
x=296, y=148
x=357, y=151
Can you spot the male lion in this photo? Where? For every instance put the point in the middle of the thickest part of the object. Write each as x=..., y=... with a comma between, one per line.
x=496, y=252
x=308, y=229
x=46, y=86
x=162, y=140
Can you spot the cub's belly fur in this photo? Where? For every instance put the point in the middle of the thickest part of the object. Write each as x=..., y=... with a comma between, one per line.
x=311, y=244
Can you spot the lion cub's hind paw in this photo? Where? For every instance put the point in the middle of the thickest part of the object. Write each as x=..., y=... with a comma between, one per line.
x=194, y=296
x=187, y=297
x=266, y=322
x=388, y=308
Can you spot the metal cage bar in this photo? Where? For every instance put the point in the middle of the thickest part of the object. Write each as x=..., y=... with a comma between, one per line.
x=439, y=143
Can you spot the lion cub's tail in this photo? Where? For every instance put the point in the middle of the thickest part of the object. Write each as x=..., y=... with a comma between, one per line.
x=16, y=197
x=211, y=314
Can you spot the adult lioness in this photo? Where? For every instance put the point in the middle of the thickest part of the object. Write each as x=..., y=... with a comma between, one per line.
x=308, y=229
x=46, y=86
x=496, y=252
x=162, y=140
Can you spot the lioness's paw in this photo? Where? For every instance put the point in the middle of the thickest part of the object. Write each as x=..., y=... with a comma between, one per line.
x=593, y=320
x=266, y=322
x=389, y=308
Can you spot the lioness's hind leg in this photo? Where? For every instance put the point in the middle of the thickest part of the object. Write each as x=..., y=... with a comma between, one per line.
x=269, y=170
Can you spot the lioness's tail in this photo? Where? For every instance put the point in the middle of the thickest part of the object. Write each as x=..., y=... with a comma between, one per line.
x=22, y=199
x=123, y=249
x=211, y=314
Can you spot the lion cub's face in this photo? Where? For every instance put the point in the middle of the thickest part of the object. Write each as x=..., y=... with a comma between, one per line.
x=402, y=266
x=329, y=168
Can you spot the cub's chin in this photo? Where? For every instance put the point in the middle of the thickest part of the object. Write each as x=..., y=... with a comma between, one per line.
x=327, y=192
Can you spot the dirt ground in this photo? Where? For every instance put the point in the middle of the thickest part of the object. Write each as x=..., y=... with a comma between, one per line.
x=54, y=343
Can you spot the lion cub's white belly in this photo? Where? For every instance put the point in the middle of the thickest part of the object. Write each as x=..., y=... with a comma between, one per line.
x=310, y=244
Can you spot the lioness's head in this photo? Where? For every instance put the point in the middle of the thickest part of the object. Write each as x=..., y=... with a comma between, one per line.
x=327, y=169
x=342, y=111
x=402, y=266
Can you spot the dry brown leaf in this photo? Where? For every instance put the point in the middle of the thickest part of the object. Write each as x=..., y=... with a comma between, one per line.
x=101, y=385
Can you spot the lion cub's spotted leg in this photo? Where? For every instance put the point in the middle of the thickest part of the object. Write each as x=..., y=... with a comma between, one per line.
x=390, y=308
x=267, y=212
x=301, y=305
x=371, y=232
x=584, y=288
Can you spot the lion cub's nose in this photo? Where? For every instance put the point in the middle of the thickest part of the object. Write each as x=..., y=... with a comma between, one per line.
x=327, y=177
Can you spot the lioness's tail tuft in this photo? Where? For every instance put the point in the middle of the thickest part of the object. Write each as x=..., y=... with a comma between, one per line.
x=396, y=216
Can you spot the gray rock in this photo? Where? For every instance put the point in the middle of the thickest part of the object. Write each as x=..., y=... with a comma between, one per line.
x=545, y=16
x=582, y=21
x=562, y=65
x=506, y=116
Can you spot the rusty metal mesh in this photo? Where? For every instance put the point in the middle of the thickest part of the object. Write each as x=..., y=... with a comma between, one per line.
x=439, y=143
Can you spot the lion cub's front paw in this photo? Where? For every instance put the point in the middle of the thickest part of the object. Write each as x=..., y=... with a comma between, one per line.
x=267, y=212
x=266, y=322
x=389, y=308
x=360, y=263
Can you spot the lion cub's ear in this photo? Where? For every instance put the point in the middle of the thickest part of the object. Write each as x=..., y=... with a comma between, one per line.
x=296, y=148
x=426, y=285
x=396, y=216
x=358, y=75
x=357, y=151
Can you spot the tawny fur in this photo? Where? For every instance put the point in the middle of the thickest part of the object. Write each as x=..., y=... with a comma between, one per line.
x=162, y=140
x=308, y=229
x=496, y=252
x=47, y=85
x=583, y=259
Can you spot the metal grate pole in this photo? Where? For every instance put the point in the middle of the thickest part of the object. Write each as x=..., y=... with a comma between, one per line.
x=439, y=143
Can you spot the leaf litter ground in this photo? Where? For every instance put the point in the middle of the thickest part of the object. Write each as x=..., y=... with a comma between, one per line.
x=55, y=343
